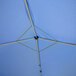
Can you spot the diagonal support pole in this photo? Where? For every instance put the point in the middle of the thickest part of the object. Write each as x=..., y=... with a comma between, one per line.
x=39, y=58
x=56, y=41
x=47, y=47
x=24, y=33
x=30, y=17
x=44, y=32
x=27, y=46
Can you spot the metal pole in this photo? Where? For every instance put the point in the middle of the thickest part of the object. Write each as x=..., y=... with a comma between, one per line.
x=56, y=41
x=30, y=17
x=39, y=58
x=15, y=41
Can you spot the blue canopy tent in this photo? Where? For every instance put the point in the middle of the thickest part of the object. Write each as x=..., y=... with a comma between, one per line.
x=37, y=38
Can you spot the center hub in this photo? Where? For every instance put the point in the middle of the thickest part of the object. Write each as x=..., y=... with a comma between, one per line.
x=36, y=37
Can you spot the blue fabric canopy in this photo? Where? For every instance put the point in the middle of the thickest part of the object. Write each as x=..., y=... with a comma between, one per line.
x=37, y=38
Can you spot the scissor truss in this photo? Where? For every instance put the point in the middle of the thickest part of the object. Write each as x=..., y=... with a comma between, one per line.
x=36, y=37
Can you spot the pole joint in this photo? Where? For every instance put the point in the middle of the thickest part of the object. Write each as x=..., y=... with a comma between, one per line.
x=36, y=37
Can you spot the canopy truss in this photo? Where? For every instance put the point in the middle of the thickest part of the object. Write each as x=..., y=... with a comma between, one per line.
x=36, y=37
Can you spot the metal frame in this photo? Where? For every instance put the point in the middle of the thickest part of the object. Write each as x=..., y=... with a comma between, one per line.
x=36, y=38
x=39, y=57
x=15, y=41
x=30, y=17
x=56, y=41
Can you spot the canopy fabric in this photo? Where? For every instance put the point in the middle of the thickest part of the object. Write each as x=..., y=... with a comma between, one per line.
x=37, y=38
